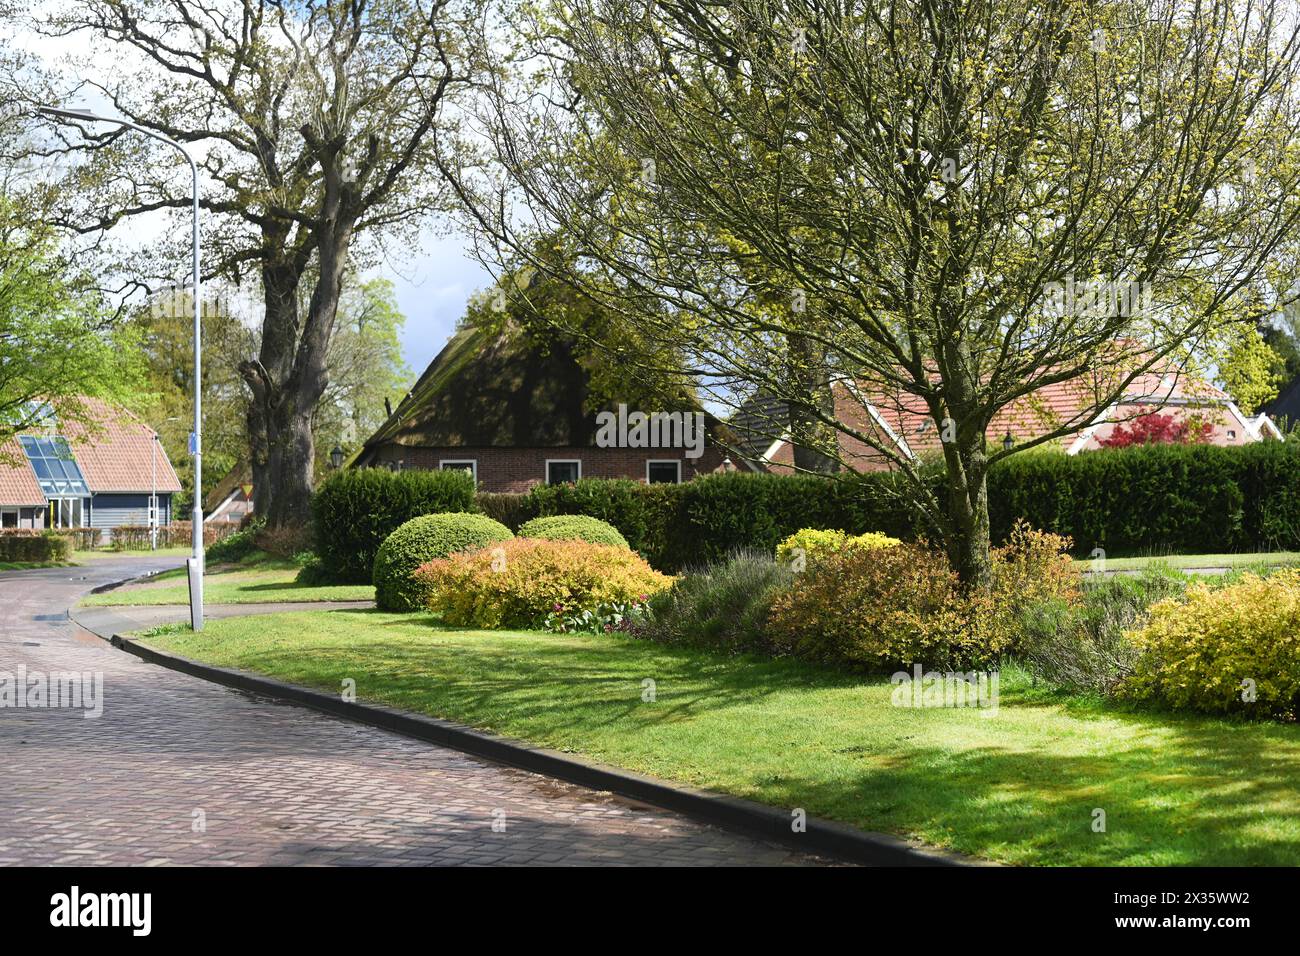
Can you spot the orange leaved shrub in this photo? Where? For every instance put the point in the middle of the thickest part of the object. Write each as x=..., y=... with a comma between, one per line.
x=517, y=583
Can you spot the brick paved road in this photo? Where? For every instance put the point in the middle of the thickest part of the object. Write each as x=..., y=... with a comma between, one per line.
x=271, y=783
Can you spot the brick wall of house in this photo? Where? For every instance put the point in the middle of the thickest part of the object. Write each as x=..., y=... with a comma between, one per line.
x=519, y=469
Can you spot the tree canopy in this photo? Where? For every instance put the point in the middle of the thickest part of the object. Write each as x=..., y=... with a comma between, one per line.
x=312, y=123
x=950, y=205
x=59, y=341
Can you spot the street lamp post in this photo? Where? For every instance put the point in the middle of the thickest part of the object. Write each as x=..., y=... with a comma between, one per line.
x=196, y=445
x=153, y=493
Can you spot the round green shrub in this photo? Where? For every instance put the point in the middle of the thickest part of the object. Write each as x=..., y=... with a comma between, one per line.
x=573, y=528
x=421, y=540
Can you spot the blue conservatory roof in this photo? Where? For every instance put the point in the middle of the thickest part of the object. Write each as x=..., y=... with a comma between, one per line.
x=56, y=470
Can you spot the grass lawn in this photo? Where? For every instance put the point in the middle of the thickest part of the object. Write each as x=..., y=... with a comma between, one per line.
x=29, y=565
x=1019, y=787
x=261, y=579
x=1180, y=561
x=99, y=554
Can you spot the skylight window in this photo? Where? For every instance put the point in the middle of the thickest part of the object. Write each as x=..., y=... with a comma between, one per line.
x=56, y=470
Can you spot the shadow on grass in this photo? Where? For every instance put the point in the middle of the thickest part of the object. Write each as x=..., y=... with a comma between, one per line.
x=1021, y=787
x=1230, y=804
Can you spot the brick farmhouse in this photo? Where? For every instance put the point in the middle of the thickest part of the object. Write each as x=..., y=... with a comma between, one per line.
x=517, y=414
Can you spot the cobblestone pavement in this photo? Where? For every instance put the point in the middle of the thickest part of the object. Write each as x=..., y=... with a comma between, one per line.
x=179, y=771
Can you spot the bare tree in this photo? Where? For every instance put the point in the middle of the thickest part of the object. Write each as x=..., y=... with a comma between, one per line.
x=912, y=192
x=314, y=123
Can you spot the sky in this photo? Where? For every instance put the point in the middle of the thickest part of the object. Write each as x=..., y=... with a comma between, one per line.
x=432, y=289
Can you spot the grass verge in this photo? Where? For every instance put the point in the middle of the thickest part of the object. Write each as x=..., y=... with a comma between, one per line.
x=1020, y=787
x=31, y=565
x=258, y=579
x=1270, y=559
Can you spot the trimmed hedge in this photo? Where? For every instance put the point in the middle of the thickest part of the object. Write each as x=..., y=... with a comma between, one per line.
x=573, y=528
x=36, y=547
x=705, y=520
x=83, y=539
x=420, y=541
x=354, y=510
x=1175, y=498
x=137, y=537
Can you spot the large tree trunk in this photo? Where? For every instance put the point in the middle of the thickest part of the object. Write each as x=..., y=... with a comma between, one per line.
x=966, y=463
x=288, y=384
x=288, y=380
x=294, y=457
x=968, y=543
x=267, y=375
x=815, y=442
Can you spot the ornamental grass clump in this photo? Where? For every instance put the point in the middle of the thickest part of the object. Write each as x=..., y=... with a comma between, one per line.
x=519, y=583
x=723, y=607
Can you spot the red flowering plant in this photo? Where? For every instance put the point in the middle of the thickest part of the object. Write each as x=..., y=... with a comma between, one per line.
x=1158, y=429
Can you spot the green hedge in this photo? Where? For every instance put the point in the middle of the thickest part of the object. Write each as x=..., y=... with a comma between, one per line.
x=35, y=547
x=354, y=510
x=705, y=520
x=1175, y=498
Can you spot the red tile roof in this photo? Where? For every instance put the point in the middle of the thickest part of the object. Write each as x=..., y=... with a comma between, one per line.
x=116, y=454
x=1050, y=407
x=17, y=480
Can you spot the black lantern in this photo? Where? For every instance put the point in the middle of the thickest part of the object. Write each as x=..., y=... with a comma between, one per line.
x=1008, y=441
x=336, y=457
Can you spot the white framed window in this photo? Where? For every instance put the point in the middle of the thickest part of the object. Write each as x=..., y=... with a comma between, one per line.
x=67, y=512
x=663, y=471
x=9, y=518
x=561, y=470
x=461, y=464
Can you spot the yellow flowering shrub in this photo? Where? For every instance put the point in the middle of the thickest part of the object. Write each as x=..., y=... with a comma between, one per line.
x=814, y=544
x=517, y=583
x=1032, y=567
x=1233, y=649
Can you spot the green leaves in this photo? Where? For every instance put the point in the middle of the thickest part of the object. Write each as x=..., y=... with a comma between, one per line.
x=58, y=341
